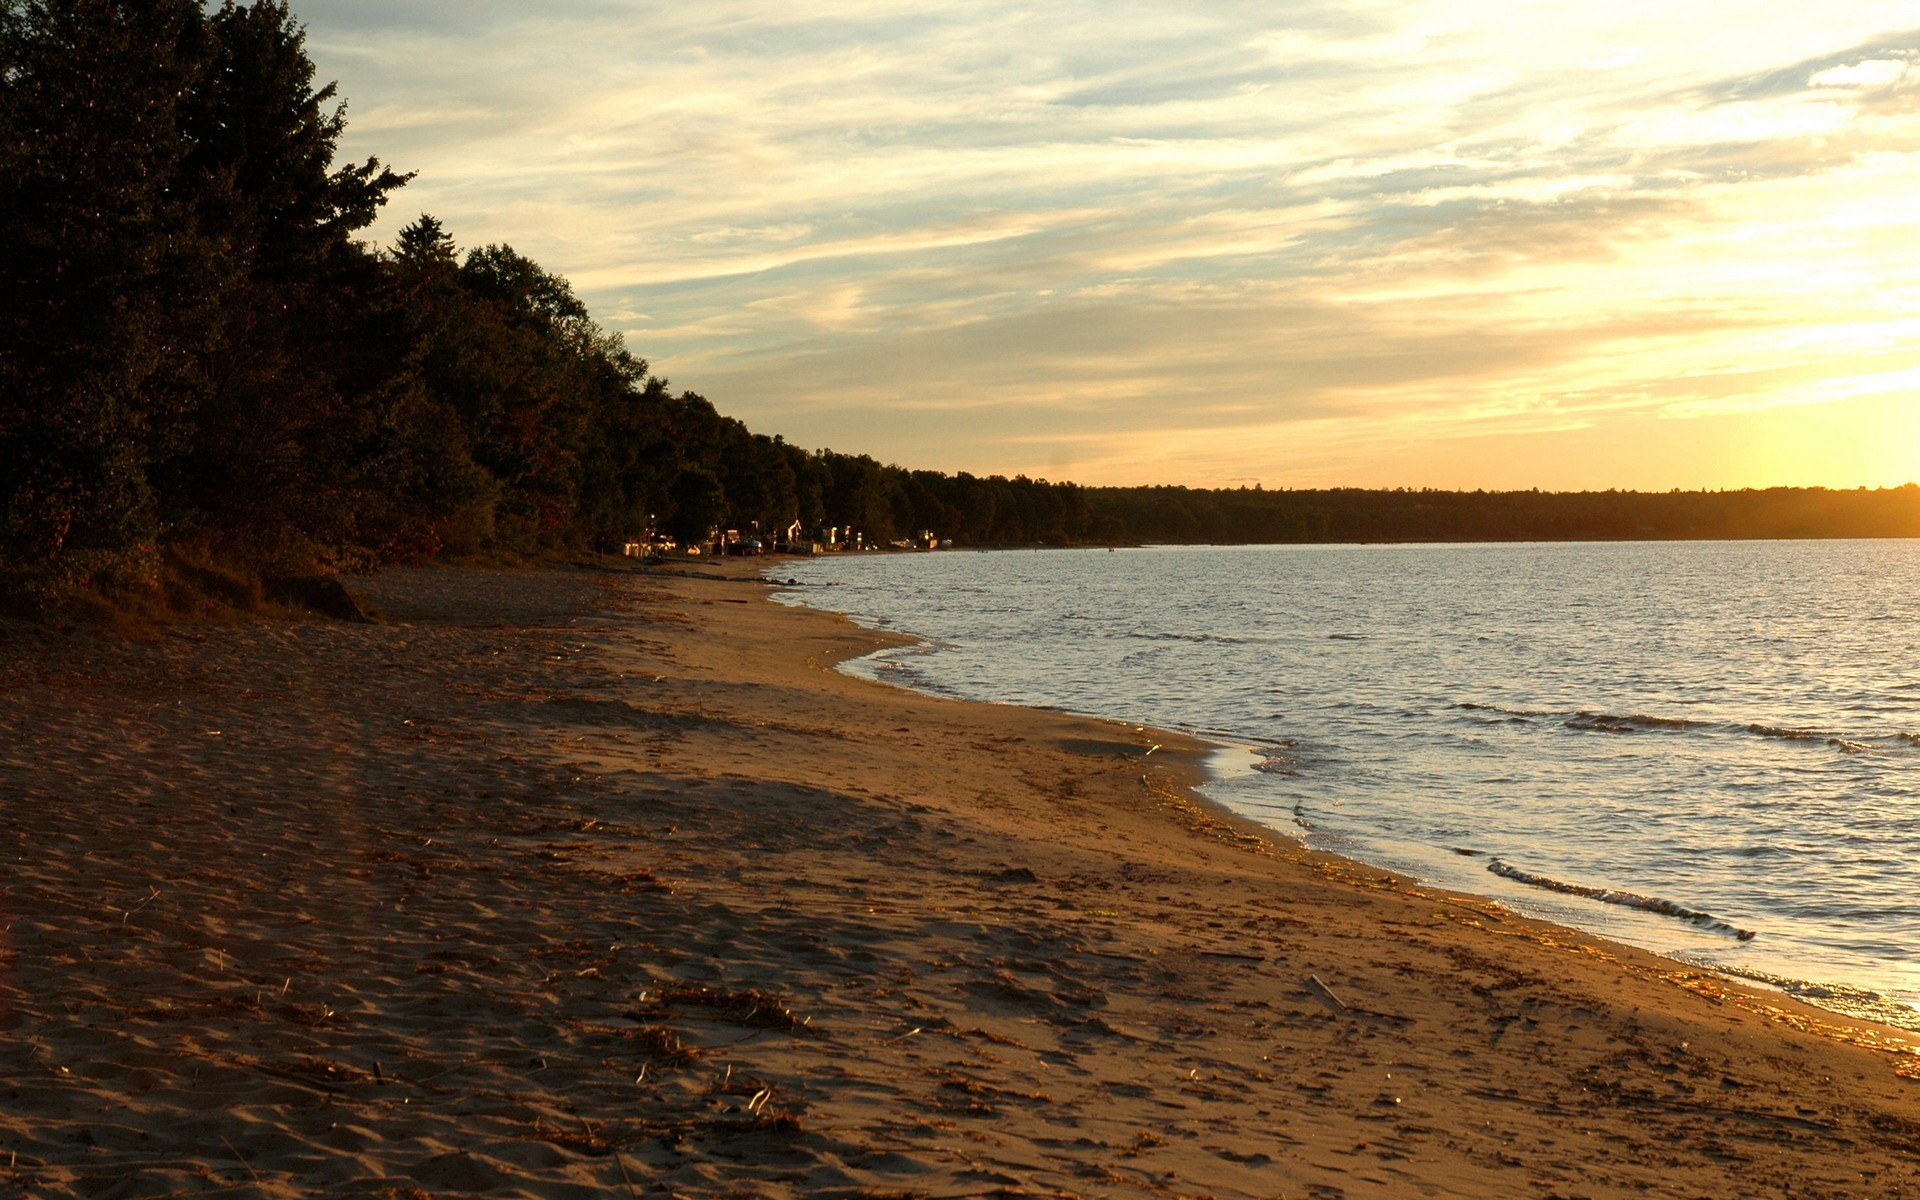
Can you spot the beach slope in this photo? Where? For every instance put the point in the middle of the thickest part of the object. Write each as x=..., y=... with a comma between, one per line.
x=605, y=883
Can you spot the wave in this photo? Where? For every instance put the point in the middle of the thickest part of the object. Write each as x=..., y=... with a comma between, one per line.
x=1469, y=706
x=1789, y=735
x=1652, y=904
x=1857, y=1002
x=1633, y=723
x=1590, y=721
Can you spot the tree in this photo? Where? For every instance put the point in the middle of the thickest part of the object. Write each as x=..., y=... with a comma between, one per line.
x=191, y=345
x=96, y=250
x=285, y=454
x=698, y=503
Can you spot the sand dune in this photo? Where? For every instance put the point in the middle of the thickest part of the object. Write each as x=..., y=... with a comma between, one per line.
x=600, y=884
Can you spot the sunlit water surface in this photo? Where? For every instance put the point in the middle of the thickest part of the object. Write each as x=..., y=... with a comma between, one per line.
x=1711, y=750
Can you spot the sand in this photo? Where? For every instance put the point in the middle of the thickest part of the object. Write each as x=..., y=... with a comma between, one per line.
x=601, y=884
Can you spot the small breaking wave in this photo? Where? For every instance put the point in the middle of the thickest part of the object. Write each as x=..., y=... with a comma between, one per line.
x=1590, y=721
x=1652, y=904
x=1857, y=1002
x=1521, y=713
x=1632, y=723
x=1788, y=735
x=1163, y=635
x=1276, y=756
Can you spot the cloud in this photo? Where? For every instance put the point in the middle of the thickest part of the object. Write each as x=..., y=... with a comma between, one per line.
x=1868, y=73
x=979, y=232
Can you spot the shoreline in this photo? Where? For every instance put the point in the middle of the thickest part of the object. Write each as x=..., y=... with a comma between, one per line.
x=1870, y=1007
x=1751, y=991
x=1787, y=959
x=570, y=883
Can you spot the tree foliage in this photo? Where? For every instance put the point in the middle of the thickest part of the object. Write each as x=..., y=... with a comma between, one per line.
x=199, y=358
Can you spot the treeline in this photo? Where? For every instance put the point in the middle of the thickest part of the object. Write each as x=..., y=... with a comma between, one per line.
x=1173, y=514
x=996, y=511
x=202, y=366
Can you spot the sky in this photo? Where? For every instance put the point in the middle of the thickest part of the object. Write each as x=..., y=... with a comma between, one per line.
x=1295, y=244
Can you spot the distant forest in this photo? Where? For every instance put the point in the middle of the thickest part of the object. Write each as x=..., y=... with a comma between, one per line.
x=203, y=366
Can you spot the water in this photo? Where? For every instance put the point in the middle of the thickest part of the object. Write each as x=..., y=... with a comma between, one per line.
x=1710, y=750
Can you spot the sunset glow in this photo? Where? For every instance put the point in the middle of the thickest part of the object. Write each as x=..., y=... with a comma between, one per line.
x=1381, y=244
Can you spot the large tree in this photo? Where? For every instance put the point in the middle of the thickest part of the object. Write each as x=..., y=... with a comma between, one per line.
x=190, y=341
x=287, y=455
x=101, y=284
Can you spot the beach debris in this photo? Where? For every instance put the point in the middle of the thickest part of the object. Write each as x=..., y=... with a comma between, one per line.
x=241, y=1158
x=128, y=914
x=313, y=1072
x=308, y=1015
x=749, y=1007
x=620, y=1158
x=589, y=1139
x=661, y=1045
x=759, y=1112
x=1321, y=986
x=1142, y=1142
x=1013, y=875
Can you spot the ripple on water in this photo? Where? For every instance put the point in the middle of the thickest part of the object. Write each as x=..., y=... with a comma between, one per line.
x=1699, y=723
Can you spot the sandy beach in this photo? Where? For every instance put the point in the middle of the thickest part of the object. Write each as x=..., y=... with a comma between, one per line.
x=602, y=884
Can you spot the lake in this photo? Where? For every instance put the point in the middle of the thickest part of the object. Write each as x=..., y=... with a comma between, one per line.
x=1711, y=750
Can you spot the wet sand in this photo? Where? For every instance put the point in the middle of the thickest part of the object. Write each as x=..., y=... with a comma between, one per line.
x=600, y=884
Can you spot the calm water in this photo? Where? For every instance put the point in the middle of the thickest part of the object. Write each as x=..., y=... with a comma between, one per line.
x=1708, y=749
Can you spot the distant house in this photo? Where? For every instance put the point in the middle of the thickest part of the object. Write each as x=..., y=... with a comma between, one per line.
x=735, y=542
x=795, y=539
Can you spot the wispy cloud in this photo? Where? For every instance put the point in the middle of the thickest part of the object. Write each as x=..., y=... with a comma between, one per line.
x=1229, y=242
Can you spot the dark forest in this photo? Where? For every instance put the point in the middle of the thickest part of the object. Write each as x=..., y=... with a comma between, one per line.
x=204, y=367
